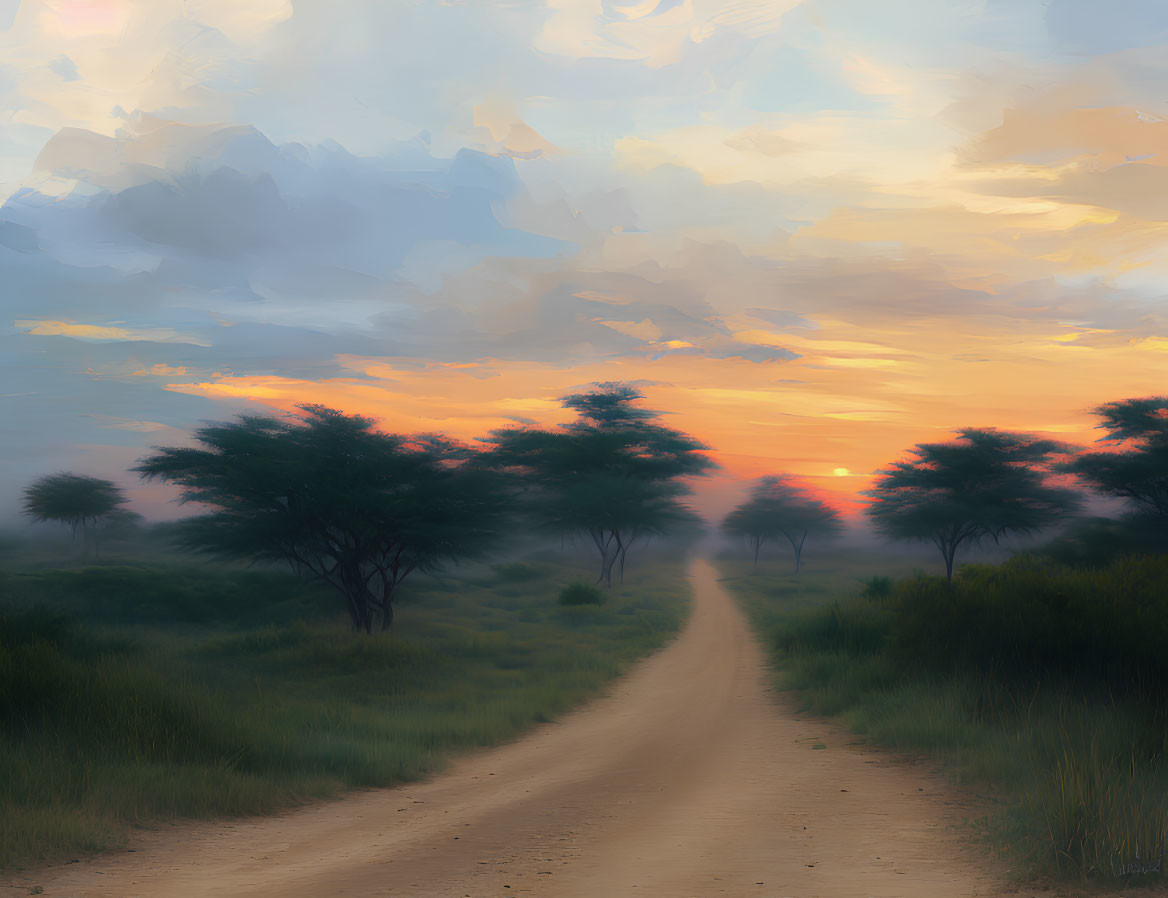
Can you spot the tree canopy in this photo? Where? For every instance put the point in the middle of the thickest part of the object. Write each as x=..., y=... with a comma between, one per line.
x=779, y=506
x=1136, y=469
x=336, y=499
x=74, y=499
x=615, y=474
x=986, y=483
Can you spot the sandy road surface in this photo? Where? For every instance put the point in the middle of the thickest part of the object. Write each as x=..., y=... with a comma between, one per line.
x=688, y=780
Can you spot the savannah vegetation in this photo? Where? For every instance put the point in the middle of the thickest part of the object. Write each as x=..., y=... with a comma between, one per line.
x=234, y=662
x=196, y=685
x=1039, y=680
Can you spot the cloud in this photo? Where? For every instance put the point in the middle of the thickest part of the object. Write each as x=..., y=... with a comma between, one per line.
x=653, y=32
x=172, y=192
x=1084, y=26
x=65, y=67
x=1134, y=188
x=242, y=23
x=104, y=332
x=782, y=318
x=804, y=151
x=130, y=424
x=561, y=314
x=1066, y=123
x=161, y=369
x=509, y=134
x=761, y=141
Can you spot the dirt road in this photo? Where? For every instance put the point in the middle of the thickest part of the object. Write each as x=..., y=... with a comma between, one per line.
x=688, y=780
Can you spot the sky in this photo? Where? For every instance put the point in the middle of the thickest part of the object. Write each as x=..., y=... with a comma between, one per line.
x=814, y=232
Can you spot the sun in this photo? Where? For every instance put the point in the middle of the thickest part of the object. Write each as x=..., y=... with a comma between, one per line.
x=841, y=472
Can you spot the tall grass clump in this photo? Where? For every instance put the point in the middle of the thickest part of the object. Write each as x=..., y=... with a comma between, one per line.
x=1041, y=680
x=1105, y=810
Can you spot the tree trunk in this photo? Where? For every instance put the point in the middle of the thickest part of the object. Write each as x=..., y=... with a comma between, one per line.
x=612, y=552
x=358, y=596
x=757, y=545
x=602, y=544
x=796, y=546
x=947, y=543
x=624, y=553
x=799, y=550
x=354, y=611
x=84, y=542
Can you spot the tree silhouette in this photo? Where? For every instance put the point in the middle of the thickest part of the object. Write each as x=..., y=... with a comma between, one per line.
x=74, y=499
x=986, y=483
x=780, y=506
x=336, y=499
x=615, y=473
x=1139, y=472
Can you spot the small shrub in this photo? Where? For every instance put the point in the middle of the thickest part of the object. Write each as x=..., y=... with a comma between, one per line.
x=877, y=588
x=581, y=594
x=518, y=572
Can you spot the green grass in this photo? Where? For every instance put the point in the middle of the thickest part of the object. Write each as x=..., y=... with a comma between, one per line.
x=132, y=694
x=1040, y=683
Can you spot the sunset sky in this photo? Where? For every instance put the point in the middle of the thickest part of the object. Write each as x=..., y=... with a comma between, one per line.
x=814, y=232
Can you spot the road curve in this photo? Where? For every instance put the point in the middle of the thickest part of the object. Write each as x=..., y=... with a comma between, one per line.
x=688, y=779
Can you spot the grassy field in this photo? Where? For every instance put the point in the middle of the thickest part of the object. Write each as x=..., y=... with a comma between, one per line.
x=1040, y=683
x=136, y=693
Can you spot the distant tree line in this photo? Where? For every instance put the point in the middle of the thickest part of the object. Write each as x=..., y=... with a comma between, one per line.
x=360, y=510
x=984, y=485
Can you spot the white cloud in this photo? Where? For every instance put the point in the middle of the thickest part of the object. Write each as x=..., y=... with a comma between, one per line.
x=653, y=32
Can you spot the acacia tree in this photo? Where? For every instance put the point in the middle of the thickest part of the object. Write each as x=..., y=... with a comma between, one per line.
x=336, y=499
x=77, y=500
x=985, y=484
x=780, y=506
x=1136, y=470
x=615, y=474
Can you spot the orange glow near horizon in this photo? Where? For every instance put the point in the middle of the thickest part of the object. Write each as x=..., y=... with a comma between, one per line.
x=831, y=425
